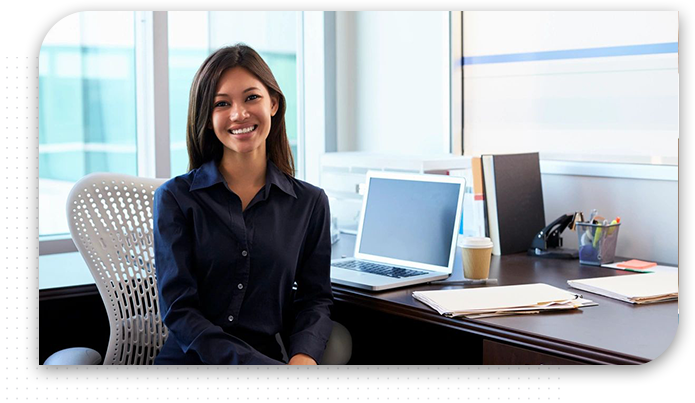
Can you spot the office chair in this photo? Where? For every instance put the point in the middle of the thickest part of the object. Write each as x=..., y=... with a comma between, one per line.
x=110, y=220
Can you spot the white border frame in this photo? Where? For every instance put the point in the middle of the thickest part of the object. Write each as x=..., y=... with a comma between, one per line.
x=419, y=178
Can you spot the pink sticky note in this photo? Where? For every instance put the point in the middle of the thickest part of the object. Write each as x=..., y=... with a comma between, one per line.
x=636, y=264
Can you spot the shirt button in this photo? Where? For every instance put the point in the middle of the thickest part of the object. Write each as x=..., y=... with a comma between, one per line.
x=244, y=253
x=230, y=318
x=240, y=286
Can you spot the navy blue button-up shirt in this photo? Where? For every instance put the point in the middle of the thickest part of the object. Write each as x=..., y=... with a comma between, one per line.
x=223, y=272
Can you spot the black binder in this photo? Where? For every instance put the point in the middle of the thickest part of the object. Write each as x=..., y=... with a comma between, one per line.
x=514, y=200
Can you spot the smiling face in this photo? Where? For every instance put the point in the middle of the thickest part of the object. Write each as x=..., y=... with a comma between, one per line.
x=241, y=113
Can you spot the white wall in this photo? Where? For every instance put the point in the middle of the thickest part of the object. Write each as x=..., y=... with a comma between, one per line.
x=393, y=82
x=392, y=72
x=648, y=210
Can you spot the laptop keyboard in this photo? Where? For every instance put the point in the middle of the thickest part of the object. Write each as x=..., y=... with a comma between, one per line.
x=378, y=269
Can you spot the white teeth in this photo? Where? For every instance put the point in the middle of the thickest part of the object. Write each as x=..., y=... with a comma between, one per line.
x=242, y=131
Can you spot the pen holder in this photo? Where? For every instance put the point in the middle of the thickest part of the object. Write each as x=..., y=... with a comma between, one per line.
x=597, y=243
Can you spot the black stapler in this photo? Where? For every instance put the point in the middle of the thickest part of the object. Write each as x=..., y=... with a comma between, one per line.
x=548, y=242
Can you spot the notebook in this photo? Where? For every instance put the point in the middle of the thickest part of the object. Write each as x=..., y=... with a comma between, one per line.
x=407, y=231
x=503, y=300
x=635, y=289
x=514, y=201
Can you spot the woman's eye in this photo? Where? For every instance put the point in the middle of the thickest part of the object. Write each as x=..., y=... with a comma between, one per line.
x=252, y=97
x=221, y=103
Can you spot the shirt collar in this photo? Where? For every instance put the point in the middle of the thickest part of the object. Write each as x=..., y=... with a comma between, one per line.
x=274, y=176
x=208, y=175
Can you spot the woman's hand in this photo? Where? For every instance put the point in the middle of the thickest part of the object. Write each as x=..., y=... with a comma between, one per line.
x=301, y=359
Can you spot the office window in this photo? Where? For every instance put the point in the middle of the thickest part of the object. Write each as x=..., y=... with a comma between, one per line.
x=88, y=93
x=597, y=86
x=87, y=107
x=96, y=83
x=194, y=35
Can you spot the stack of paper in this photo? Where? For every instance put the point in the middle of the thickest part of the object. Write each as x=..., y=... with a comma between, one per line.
x=499, y=301
x=635, y=289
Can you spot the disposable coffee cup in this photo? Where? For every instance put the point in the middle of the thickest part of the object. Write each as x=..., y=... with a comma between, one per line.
x=475, y=254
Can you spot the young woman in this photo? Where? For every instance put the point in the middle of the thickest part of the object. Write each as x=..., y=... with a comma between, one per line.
x=233, y=235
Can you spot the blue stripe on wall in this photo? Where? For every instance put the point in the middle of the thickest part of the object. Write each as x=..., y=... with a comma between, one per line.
x=632, y=50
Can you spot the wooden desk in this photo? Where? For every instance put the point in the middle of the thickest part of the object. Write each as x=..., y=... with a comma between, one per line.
x=614, y=332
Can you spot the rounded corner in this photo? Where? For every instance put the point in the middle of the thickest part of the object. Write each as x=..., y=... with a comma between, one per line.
x=665, y=356
x=55, y=23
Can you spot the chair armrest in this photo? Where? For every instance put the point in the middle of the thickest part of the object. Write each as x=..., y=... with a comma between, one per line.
x=339, y=347
x=74, y=356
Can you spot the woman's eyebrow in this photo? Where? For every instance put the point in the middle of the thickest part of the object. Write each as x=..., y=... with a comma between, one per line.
x=245, y=91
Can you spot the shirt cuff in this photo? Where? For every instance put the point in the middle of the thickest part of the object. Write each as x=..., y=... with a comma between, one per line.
x=304, y=343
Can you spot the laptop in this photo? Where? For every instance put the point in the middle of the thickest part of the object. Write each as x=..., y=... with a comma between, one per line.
x=407, y=231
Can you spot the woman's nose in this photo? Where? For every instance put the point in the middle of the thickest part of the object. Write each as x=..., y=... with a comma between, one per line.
x=238, y=113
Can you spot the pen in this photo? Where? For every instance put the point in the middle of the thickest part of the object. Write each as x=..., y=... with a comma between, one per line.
x=597, y=236
x=612, y=229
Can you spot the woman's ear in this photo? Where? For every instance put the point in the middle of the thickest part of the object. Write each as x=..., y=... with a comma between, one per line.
x=274, y=104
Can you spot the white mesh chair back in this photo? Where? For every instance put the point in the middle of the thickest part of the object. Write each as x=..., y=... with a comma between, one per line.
x=110, y=219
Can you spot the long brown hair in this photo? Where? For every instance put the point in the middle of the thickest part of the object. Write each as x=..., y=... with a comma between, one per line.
x=202, y=144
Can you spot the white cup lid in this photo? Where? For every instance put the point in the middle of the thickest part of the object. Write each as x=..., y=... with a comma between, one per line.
x=474, y=243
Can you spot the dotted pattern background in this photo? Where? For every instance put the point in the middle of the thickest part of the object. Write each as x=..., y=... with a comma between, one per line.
x=22, y=379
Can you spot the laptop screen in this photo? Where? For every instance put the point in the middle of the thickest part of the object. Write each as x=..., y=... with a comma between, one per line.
x=410, y=220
